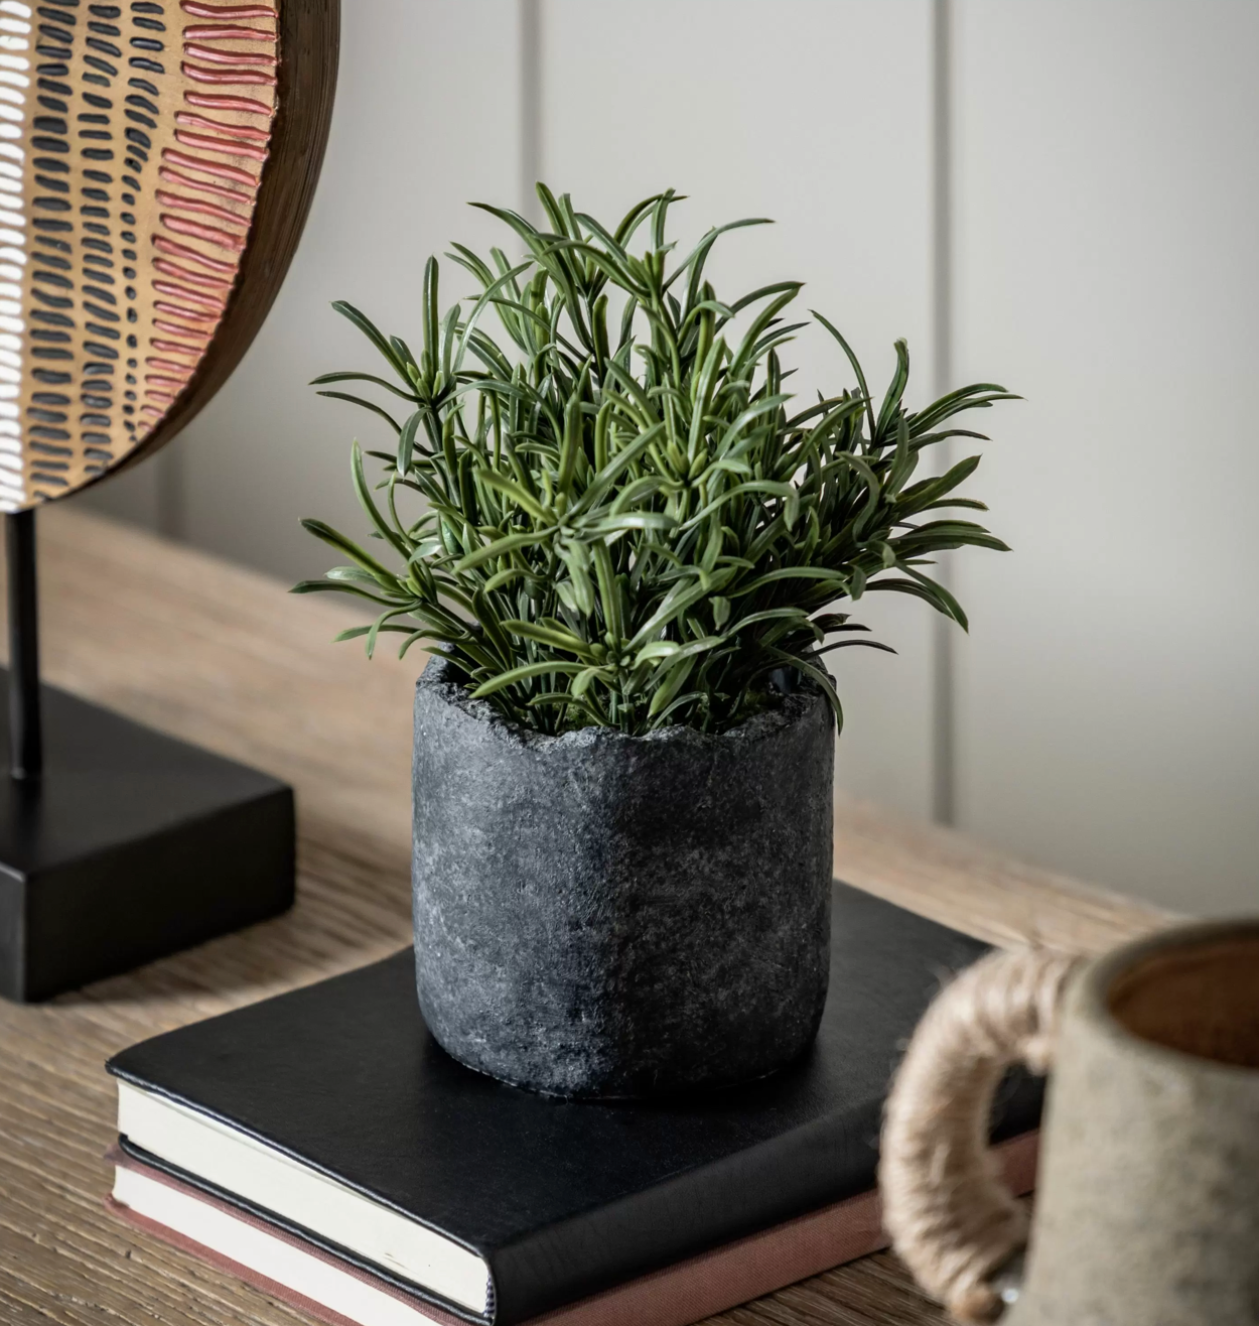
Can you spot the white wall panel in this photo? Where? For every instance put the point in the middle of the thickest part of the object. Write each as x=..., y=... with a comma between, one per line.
x=135, y=495
x=1107, y=268
x=1106, y=198
x=815, y=113
x=425, y=120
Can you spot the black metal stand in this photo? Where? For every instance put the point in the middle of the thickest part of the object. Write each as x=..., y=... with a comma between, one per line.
x=26, y=729
x=118, y=844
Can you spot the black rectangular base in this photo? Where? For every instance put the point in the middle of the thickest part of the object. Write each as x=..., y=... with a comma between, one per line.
x=131, y=846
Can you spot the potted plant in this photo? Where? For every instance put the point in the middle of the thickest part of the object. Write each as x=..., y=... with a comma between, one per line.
x=620, y=539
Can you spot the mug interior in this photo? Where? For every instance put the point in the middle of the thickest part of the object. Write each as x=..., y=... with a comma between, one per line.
x=1201, y=998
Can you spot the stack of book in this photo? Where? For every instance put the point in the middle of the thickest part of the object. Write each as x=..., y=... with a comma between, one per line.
x=323, y=1147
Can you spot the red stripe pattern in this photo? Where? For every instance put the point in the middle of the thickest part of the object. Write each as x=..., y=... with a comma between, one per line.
x=208, y=186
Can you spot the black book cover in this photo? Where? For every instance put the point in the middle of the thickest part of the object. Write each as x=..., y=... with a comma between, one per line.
x=566, y=1199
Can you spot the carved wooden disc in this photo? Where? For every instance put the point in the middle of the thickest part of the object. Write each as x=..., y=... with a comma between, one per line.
x=157, y=161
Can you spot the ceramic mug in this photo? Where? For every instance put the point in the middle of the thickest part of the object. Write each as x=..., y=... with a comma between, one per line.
x=1147, y=1212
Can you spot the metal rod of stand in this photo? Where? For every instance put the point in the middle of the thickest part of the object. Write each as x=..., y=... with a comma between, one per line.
x=26, y=736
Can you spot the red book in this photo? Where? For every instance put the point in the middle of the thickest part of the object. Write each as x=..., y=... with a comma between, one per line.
x=334, y=1290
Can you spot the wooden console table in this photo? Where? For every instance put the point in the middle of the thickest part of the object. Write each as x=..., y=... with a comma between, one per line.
x=224, y=658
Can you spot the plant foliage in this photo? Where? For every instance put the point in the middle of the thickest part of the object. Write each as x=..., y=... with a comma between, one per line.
x=627, y=520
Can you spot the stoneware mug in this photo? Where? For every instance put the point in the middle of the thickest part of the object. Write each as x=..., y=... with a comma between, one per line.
x=1147, y=1211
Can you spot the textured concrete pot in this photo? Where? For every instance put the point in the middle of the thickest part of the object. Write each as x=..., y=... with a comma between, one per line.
x=603, y=915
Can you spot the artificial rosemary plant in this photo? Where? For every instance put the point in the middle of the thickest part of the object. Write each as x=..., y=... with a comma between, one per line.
x=626, y=519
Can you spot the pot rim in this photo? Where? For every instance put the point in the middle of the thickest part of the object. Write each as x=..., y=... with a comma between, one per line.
x=794, y=709
x=1099, y=977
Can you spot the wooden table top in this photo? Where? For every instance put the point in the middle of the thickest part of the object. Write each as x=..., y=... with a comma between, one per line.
x=222, y=657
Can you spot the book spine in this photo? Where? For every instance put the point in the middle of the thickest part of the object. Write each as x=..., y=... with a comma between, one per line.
x=757, y=1189
x=762, y=1263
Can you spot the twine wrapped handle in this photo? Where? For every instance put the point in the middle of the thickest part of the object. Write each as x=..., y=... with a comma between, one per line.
x=950, y=1217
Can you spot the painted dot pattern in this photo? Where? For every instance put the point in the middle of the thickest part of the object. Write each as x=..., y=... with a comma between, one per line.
x=132, y=142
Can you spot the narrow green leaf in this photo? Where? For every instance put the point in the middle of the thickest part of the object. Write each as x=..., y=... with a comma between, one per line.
x=504, y=679
x=366, y=405
x=500, y=548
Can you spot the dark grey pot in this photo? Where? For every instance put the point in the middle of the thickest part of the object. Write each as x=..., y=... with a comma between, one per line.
x=604, y=915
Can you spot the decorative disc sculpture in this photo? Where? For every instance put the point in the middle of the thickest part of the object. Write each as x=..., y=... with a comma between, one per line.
x=157, y=162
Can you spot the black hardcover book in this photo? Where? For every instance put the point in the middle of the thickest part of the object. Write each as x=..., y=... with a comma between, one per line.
x=331, y=1112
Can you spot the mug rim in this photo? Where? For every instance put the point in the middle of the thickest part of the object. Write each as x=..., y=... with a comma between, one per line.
x=1098, y=979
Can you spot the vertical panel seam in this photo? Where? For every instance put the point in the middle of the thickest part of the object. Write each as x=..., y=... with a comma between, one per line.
x=944, y=679
x=530, y=106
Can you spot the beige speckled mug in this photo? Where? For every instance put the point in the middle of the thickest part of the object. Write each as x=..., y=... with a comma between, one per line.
x=1147, y=1211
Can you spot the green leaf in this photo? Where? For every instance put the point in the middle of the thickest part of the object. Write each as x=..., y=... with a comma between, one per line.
x=348, y=548
x=634, y=520
x=406, y=441
x=895, y=392
x=366, y=405
x=978, y=396
x=372, y=332
x=505, y=679
x=552, y=636
x=856, y=368
x=571, y=448
x=676, y=601
x=769, y=615
x=500, y=548
x=383, y=528
x=665, y=693
x=332, y=587
x=634, y=532
x=325, y=378
x=821, y=573
x=927, y=590
x=525, y=500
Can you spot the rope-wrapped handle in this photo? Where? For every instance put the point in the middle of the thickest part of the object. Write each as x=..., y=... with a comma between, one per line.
x=950, y=1217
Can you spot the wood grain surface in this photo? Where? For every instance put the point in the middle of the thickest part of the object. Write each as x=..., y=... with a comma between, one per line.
x=222, y=657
